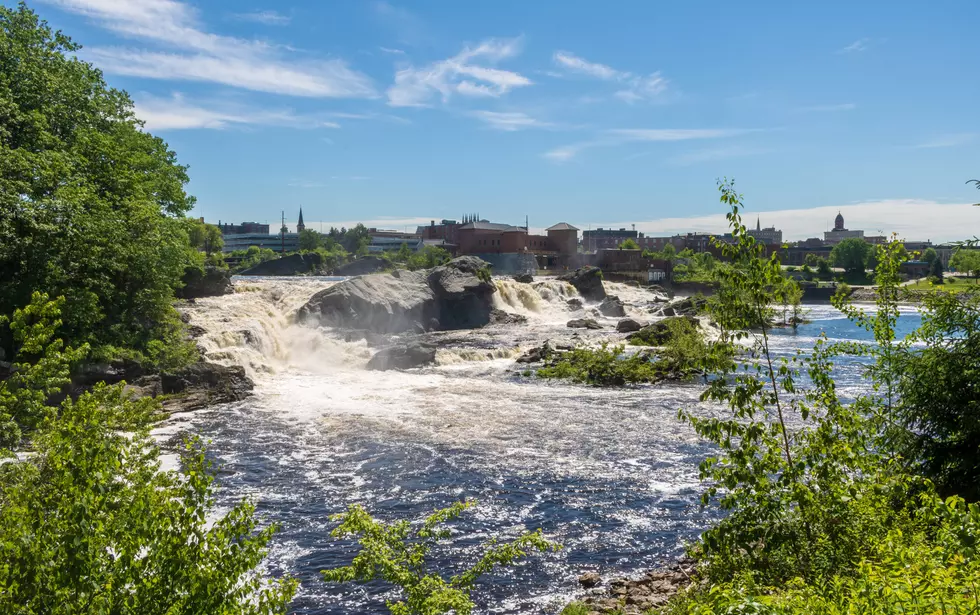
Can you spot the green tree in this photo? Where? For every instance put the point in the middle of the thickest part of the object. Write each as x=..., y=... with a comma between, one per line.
x=397, y=554
x=309, y=240
x=91, y=205
x=88, y=521
x=929, y=255
x=811, y=260
x=967, y=261
x=936, y=271
x=823, y=269
x=356, y=239
x=851, y=254
x=629, y=244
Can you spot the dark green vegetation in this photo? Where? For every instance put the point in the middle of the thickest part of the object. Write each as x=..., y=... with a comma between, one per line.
x=396, y=554
x=89, y=523
x=91, y=207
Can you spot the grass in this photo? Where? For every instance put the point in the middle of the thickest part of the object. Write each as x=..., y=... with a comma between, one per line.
x=951, y=285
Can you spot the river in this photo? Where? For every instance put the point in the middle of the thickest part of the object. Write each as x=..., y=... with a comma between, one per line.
x=611, y=474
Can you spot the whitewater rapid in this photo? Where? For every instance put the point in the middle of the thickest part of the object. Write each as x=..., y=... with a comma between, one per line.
x=609, y=473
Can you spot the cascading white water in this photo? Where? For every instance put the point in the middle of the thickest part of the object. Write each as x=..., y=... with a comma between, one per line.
x=256, y=328
x=544, y=299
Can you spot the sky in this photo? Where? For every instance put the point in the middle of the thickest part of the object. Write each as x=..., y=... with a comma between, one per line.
x=593, y=113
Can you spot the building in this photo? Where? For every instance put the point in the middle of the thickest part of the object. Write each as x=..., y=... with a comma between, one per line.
x=390, y=241
x=283, y=242
x=606, y=238
x=243, y=228
x=840, y=233
x=768, y=236
x=300, y=227
x=563, y=238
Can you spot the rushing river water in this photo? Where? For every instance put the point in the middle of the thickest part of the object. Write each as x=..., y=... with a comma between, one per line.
x=611, y=474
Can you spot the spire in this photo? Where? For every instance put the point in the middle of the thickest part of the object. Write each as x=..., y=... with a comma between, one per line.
x=300, y=227
x=758, y=224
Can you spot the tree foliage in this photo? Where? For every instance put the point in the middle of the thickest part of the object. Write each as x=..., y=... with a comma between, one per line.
x=967, y=261
x=851, y=254
x=91, y=206
x=629, y=244
x=397, y=553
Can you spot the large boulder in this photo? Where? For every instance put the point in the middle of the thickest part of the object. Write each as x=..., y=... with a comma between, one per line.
x=687, y=306
x=209, y=282
x=583, y=323
x=457, y=295
x=361, y=266
x=612, y=307
x=587, y=281
x=524, y=278
x=404, y=356
x=628, y=325
x=204, y=384
x=292, y=264
x=659, y=333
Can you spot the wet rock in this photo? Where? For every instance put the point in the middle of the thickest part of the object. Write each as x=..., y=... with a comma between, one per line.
x=204, y=384
x=587, y=281
x=500, y=317
x=457, y=295
x=292, y=264
x=658, y=333
x=628, y=325
x=612, y=306
x=403, y=356
x=688, y=306
x=589, y=579
x=575, y=303
x=583, y=323
x=211, y=282
x=636, y=596
x=195, y=331
x=111, y=372
x=361, y=266
x=524, y=278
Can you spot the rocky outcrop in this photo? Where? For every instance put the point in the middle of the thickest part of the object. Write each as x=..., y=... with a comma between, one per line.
x=209, y=282
x=587, y=281
x=500, y=317
x=202, y=385
x=292, y=264
x=457, y=295
x=583, y=323
x=658, y=333
x=575, y=303
x=633, y=596
x=524, y=278
x=688, y=306
x=361, y=266
x=628, y=325
x=612, y=307
x=403, y=356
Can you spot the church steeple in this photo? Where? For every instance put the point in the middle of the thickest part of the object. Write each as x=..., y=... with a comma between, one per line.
x=758, y=224
x=300, y=227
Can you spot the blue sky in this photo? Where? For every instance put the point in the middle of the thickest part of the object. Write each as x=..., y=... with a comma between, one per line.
x=610, y=113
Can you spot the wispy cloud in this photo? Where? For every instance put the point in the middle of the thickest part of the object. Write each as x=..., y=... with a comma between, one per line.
x=827, y=108
x=859, y=45
x=176, y=113
x=269, y=18
x=717, y=153
x=950, y=140
x=620, y=136
x=911, y=219
x=392, y=51
x=408, y=27
x=509, y=121
x=635, y=87
x=185, y=51
x=460, y=74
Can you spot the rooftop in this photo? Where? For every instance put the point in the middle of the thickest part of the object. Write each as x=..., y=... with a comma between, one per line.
x=562, y=226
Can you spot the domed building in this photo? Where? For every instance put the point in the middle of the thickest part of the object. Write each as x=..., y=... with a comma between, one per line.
x=840, y=233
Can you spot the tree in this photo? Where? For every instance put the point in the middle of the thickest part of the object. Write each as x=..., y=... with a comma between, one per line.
x=823, y=269
x=811, y=259
x=936, y=270
x=629, y=244
x=967, y=261
x=397, y=554
x=850, y=254
x=310, y=240
x=91, y=205
x=930, y=255
x=88, y=521
x=356, y=239
x=203, y=236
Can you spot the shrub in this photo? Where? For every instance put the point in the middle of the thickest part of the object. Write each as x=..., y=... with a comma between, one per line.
x=397, y=554
x=603, y=366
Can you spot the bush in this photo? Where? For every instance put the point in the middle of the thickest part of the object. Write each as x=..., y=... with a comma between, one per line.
x=397, y=554
x=603, y=366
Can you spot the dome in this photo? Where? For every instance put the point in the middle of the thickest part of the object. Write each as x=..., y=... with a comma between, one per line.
x=839, y=222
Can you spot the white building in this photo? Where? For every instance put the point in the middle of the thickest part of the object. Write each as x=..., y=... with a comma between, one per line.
x=767, y=235
x=840, y=233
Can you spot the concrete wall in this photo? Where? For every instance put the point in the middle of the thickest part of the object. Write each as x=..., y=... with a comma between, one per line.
x=507, y=264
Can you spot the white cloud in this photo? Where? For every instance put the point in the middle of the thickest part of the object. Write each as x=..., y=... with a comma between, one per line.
x=828, y=108
x=717, y=153
x=858, y=45
x=269, y=18
x=580, y=65
x=176, y=113
x=636, y=87
x=911, y=219
x=620, y=136
x=397, y=52
x=187, y=52
x=950, y=140
x=459, y=74
x=509, y=121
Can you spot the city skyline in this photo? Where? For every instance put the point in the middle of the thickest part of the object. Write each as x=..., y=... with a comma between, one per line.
x=386, y=111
